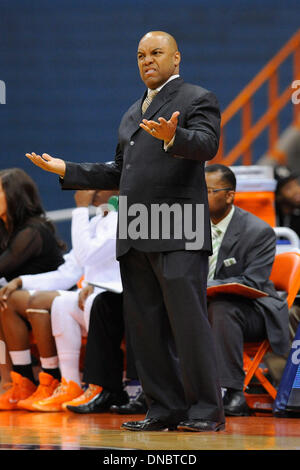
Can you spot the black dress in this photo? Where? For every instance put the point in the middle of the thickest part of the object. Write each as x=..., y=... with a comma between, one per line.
x=34, y=249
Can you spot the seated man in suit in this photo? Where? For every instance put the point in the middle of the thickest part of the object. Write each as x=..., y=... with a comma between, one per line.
x=243, y=251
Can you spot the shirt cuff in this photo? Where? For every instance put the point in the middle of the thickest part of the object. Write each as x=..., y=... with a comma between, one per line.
x=169, y=145
x=26, y=284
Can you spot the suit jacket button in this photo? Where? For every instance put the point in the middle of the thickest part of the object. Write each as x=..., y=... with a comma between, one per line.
x=131, y=142
x=127, y=166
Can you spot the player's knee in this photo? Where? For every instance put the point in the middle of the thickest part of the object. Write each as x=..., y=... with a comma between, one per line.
x=41, y=300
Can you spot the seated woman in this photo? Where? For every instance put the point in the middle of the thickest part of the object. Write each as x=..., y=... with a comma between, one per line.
x=93, y=256
x=28, y=242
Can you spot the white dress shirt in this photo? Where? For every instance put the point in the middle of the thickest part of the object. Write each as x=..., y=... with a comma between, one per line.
x=223, y=224
x=169, y=79
x=220, y=228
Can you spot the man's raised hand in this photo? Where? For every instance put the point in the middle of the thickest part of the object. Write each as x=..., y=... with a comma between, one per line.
x=163, y=130
x=48, y=163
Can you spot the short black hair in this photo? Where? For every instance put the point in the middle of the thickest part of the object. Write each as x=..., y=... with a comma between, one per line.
x=283, y=175
x=227, y=174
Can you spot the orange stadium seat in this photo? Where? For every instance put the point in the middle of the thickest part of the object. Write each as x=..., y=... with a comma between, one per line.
x=286, y=277
x=255, y=191
x=260, y=203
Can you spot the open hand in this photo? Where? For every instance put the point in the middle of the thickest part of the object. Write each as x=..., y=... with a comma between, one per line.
x=163, y=130
x=48, y=163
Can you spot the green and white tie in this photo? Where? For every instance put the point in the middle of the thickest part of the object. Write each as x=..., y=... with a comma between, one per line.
x=149, y=98
x=216, y=242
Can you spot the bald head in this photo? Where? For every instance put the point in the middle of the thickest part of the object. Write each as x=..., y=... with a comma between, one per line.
x=158, y=58
x=162, y=36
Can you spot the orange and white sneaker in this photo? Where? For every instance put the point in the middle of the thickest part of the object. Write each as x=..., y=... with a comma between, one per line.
x=45, y=389
x=21, y=388
x=66, y=391
x=85, y=397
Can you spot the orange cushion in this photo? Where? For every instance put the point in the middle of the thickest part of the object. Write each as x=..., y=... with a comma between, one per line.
x=261, y=204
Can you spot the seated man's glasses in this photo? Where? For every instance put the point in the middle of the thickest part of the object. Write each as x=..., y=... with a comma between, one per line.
x=212, y=190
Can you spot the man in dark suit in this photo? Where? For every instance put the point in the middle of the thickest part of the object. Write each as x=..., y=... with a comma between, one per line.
x=164, y=140
x=244, y=250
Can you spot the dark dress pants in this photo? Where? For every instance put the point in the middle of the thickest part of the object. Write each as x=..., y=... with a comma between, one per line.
x=234, y=319
x=165, y=308
x=104, y=357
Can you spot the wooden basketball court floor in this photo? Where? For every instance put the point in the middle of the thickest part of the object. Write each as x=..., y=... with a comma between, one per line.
x=70, y=431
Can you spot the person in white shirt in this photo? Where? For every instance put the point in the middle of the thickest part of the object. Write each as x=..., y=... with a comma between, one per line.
x=93, y=257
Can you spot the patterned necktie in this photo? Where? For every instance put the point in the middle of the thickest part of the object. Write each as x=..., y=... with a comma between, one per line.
x=147, y=101
x=216, y=242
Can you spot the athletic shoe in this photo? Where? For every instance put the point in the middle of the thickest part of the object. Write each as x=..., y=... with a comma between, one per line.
x=45, y=389
x=85, y=397
x=21, y=389
x=66, y=391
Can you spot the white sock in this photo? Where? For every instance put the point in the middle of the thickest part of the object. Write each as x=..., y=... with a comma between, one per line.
x=69, y=365
x=49, y=362
x=223, y=390
x=67, y=333
x=20, y=358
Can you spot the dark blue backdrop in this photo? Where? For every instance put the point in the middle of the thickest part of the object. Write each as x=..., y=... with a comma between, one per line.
x=70, y=68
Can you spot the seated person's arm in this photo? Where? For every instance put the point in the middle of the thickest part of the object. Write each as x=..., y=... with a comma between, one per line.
x=63, y=278
x=25, y=245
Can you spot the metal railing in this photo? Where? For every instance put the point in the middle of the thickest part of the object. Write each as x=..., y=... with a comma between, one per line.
x=243, y=104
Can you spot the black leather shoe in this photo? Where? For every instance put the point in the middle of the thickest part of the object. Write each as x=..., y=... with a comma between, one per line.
x=134, y=407
x=101, y=403
x=235, y=403
x=200, y=425
x=149, y=424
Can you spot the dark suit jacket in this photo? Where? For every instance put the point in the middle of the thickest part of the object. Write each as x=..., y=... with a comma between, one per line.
x=252, y=243
x=146, y=174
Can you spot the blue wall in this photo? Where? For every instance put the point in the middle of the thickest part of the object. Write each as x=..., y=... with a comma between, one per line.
x=70, y=68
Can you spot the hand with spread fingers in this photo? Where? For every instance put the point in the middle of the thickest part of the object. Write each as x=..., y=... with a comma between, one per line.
x=48, y=163
x=164, y=130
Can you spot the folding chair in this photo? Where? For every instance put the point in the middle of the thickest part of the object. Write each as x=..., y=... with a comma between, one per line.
x=286, y=277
